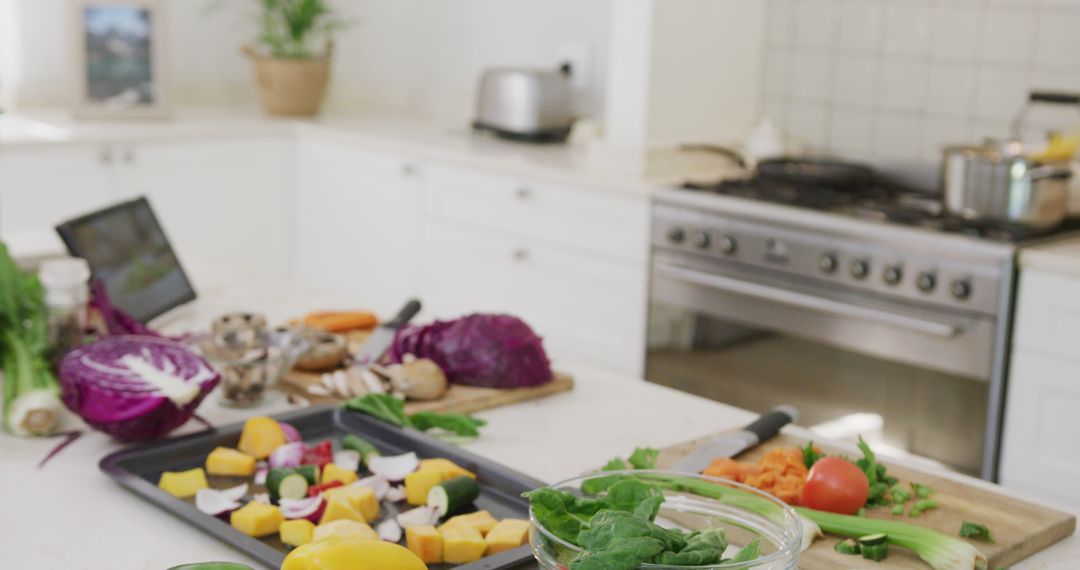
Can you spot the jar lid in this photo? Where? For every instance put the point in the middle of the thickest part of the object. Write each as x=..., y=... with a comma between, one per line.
x=64, y=272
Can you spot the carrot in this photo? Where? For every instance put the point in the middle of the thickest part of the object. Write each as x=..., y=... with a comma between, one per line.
x=780, y=472
x=341, y=321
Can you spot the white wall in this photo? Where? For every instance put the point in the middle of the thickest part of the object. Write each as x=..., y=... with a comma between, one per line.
x=416, y=56
x=891, y=81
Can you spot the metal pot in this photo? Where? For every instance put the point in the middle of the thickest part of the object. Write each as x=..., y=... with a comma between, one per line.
x=996, y=182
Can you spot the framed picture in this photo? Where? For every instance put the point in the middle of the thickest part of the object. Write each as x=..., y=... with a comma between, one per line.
x=120, y=58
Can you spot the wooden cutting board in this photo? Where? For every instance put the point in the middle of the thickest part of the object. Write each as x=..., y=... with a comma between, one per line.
x=462, y=399
x=1020, y=528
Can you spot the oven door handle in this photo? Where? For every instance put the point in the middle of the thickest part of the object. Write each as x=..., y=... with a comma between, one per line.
x=811, y=302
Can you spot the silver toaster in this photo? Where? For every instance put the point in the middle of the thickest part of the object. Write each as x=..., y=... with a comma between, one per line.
x=525, y=104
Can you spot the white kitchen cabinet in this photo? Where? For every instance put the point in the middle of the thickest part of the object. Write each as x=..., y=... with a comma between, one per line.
x=572, y=262
x=223, y=201
x=43, y=185
x=226, y=201
x=1041, y=419
x=358, y=224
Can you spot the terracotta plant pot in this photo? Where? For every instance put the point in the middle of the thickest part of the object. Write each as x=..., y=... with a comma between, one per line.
x=291, y=87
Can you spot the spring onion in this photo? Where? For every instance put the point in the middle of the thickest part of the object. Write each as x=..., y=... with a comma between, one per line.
x=939, y=551
x=874, y=547
x=31, y=392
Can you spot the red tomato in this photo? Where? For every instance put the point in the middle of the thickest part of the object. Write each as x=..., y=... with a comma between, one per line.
x=835, y=485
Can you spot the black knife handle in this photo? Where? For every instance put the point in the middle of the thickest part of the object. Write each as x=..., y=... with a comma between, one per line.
x=770, y=422
x=404, y=315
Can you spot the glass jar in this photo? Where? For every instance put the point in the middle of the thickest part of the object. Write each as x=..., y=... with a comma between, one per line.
x=67, y=290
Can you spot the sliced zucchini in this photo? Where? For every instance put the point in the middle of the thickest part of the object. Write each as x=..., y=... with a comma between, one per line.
x=873, y=539
x=360, y=445
x=453, y=496
x=293, y=486
x=307, y=473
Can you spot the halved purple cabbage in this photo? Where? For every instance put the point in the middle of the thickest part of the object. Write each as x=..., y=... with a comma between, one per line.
x=499, y=351
x=135, y=387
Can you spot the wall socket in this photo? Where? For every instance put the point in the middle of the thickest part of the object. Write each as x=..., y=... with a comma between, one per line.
x=579, y=56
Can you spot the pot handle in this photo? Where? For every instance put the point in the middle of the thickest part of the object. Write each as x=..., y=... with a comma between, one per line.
x=1054, y=97
x=1049, y=172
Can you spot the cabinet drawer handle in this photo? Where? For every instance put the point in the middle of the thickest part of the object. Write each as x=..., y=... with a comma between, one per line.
x=523, y=193
x=106, y=155
x=521, y=254
x=409, y=169
x=129, y=155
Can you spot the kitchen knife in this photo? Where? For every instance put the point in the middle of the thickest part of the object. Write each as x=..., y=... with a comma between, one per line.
x=380, y=341
x=730, y=445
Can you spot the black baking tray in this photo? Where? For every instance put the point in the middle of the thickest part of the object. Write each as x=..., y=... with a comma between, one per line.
x=138, y=469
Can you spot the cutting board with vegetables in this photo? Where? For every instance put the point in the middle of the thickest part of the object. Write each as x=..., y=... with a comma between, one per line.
x=461, y=399
x=1019, y=528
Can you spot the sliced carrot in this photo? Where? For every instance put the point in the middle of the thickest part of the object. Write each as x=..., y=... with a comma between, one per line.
x=341, y=321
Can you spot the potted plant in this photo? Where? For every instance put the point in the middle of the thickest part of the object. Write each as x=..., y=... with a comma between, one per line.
x=292, y=56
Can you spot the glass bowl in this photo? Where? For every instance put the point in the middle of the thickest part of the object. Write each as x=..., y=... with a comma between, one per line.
x=738, y=514
x=250, y=368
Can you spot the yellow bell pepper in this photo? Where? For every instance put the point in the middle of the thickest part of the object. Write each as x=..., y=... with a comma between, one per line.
x=352, y=554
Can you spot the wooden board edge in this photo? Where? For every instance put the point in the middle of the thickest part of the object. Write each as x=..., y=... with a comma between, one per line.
x=1056, y=533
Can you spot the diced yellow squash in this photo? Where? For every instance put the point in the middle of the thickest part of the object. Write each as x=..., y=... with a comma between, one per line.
x=334, y=472
x=462, y=544
x=482, y=521
x=448, y=468
x=507, y=535
x=257, y=519
x=344, y=529
x=425, y=542
x=360, y=498
x=418, y=483
x=261, y=436
x=183, y=484
x=296, y=532
x=225, y=461
x=340, y=509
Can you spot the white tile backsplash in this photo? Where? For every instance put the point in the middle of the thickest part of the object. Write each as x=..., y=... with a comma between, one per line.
x=956, y=30
x=907, y=26
x=894, y=80
x=1007, y=34
x=815, y=23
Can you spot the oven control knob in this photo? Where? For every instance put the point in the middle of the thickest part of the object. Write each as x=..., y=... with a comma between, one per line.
x=828, y=263
x=728, y=244
x=960, y=289
x=860, y=268
x=676, y=235
x=926, y=281
x=893, y=274
x=702, y=240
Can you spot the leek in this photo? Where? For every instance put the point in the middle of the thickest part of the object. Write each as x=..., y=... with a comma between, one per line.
x=31, y=402
x=939, y=551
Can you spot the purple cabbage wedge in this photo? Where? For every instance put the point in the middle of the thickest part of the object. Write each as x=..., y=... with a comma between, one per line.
x=497, y=351
x=135, y=387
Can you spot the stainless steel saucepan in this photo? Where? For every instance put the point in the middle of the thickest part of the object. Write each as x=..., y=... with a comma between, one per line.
x=1002, y=180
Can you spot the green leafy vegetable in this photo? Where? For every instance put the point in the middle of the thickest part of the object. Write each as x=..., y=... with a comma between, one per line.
x=976, y=531
x=810, y=455
x=392, y=410
x=749, y=552
x=644, y=458
x=876, y=475
x=705, y=547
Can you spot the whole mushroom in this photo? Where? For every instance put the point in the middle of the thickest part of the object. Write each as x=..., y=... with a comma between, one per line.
x=416, y=378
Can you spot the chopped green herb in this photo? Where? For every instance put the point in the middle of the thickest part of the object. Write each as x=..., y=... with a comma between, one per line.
x=810, y=455
x=922, y=505
x=976, y=531
x=898, y=509
x=876, y=475
x=899, y=495
x=922, y=491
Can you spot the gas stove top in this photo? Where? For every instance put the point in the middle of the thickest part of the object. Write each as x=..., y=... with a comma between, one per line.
x=879, y=203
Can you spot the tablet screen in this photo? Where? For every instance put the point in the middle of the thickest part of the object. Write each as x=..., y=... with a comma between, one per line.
x=128, y=251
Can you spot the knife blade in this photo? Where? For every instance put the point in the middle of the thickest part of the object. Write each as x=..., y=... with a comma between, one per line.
x=380, y=341
x=730, y=445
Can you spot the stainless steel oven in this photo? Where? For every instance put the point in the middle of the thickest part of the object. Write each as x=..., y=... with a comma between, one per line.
x=861, y=325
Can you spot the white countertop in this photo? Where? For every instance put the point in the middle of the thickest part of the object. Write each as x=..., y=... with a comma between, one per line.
x=582, y=164
x=1058, y=256
x=69, y=515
